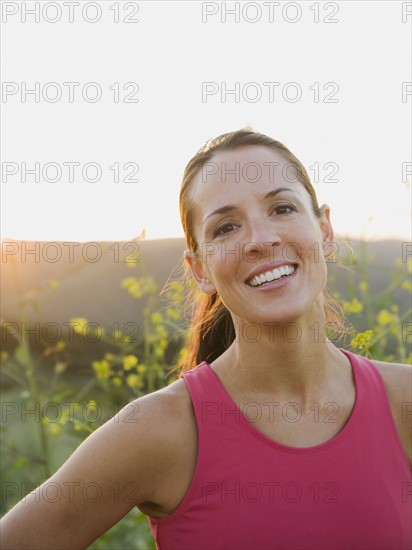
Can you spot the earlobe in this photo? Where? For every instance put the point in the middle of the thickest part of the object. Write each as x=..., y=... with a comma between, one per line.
x=328, y=236
x=198, y=270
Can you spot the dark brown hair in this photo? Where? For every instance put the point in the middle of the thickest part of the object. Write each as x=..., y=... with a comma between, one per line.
x=212, y=330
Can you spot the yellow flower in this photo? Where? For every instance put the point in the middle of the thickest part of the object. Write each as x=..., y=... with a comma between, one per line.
x=363, y=286
x=118, y=336
x=362, y=340
x=78, y=324
x=141, y=369
x=60, y=367
x=116, y=381
x=60, y=345
x=54, y=429
x=384, y=317
x=102, y=369
x=54, y=284
x=77, y=425
x=134, y=381
x=128, y=281
x=407, y=286
x=92, y=411
x=355, y=306
x=129, y=362
x=159, y=352
x=161, y=331
x=173, y=313
x=64, y=418
x=133, y=287
x=149, y=285
x=132, y=260
x=156, y=317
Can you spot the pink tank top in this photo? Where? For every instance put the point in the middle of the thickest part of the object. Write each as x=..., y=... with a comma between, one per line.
x=252, y=493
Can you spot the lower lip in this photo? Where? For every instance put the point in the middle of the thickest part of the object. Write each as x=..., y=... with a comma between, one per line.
x=276, y=283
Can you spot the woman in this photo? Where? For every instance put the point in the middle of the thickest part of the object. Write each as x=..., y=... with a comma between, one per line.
x=276, y=439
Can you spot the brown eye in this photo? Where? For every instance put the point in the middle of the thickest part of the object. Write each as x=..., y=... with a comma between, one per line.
x=224, y=229
x=284, y=209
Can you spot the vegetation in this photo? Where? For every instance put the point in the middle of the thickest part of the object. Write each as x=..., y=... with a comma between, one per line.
x=48, y=408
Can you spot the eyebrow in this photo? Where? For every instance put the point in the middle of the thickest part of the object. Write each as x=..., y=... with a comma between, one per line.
x=230, y=207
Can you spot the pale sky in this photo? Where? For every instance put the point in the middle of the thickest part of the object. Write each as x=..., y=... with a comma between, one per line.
x=338, y=94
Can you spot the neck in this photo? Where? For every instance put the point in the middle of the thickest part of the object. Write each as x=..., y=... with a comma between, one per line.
x=293, y=360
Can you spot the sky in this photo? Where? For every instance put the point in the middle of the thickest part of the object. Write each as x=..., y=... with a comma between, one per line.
x=123, y=94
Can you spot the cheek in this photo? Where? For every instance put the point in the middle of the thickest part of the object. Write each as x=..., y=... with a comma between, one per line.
x=311, y=240
x=222, y=272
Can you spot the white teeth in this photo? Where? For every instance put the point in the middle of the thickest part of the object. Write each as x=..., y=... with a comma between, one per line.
x=276, y=273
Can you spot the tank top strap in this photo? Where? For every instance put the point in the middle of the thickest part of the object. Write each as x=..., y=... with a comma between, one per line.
x=212, y=404
x=374, y=416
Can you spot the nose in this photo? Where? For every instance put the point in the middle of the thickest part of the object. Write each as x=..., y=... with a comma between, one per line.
x=263, y=237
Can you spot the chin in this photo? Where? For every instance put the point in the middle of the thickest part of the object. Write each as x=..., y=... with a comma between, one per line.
x=283, y=316
x=280, y=318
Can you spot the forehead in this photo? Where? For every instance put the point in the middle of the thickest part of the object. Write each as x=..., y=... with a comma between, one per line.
x=242, y=172
x=250, y=154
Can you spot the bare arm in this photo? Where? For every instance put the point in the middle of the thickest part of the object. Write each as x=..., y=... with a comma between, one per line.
x=112, y=471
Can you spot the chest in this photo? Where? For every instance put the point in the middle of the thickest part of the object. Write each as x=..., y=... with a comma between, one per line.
x=294, y=424
x=291, y=501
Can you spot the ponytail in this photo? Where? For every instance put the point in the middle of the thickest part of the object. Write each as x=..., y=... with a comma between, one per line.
x=211, y=333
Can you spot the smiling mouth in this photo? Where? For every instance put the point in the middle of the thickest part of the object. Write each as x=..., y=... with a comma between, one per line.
x=272, y=275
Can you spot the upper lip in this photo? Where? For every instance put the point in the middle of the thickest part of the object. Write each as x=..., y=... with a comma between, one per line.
x=268, y=267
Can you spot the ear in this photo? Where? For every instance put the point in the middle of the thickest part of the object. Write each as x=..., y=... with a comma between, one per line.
x=328, y=237
x=199, y=272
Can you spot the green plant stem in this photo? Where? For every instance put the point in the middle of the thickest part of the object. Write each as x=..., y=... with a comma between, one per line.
x=29, y=369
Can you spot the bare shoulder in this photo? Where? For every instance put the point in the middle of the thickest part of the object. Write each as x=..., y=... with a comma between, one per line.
x=163, y=416
x=172, y=447
x=166, y=415
x=397, y=378
x=167, y=408
x=139, y=441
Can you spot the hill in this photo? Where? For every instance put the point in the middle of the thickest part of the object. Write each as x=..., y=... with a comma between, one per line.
x=53, y=282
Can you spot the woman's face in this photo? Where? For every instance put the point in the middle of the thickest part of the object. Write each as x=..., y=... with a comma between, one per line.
x=252, y=217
